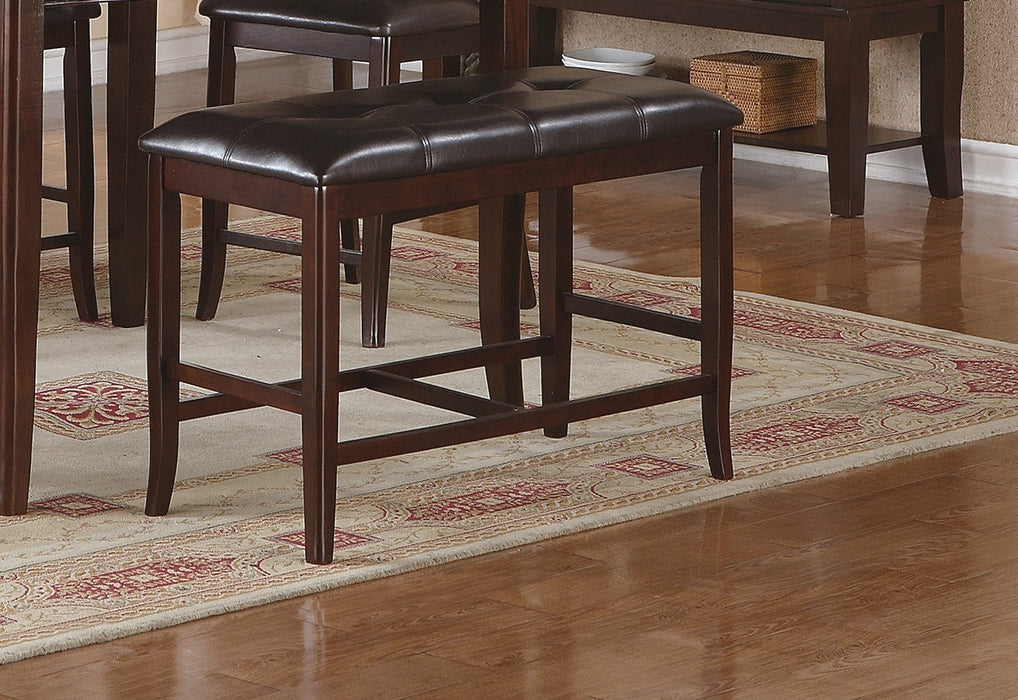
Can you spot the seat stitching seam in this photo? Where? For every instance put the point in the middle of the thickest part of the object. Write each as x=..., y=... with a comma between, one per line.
x=538, y=146
x=235, y=141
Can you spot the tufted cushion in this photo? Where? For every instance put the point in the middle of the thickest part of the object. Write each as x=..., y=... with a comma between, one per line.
x=63, y=14
x=366, y=17
x=440, y=125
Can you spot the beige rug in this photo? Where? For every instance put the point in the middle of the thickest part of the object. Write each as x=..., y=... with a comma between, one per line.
x=815, y=391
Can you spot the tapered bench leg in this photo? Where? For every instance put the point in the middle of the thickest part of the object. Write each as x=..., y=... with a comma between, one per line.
x=556, y=280
x=163, y=340
x=375, y=264
x=320, y=265
x=499, y=248
x=716, y=289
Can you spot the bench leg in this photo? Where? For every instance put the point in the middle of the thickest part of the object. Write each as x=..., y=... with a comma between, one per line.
x=556, y=280
x=500, y=245
x=320, y=265
x=716, y=289
x=375, y=264
x=163, y=340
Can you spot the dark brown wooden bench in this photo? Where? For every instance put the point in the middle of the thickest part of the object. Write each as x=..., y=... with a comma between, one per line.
x=489, y=139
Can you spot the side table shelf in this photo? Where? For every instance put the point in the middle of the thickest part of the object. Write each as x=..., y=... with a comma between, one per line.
x=813, y=139
x=846, y=28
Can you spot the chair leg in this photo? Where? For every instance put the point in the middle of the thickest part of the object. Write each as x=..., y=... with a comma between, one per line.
x=716, y=290
x=80, y=171
x=342, y=74
x=432, y=68
x=342, y=79
x=384, y=64
x=350, y=238
x=163, y=341
x=375, y=265
x=215, y=216
x=528, y=293
x=450, y=66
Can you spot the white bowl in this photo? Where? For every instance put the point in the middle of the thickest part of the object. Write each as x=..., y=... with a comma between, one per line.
x=610, y=67
x=610, y=56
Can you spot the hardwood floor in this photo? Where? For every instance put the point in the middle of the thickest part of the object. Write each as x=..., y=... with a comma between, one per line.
x=897, y=580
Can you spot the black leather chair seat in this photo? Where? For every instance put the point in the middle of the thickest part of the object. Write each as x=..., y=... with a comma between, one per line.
x=379, y=18
x=442, y=125
x=62, y=14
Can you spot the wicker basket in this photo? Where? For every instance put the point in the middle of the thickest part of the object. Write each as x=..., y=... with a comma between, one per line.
x=774, y=92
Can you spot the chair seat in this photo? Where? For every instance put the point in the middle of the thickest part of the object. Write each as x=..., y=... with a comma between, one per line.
x=433, y=126
x=381, y=18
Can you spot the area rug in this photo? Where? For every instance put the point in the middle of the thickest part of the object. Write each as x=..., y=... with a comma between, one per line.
x=815, y=391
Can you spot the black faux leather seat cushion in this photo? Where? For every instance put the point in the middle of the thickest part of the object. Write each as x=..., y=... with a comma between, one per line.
x=63, y=14
x=367, y=17
x=440, y=125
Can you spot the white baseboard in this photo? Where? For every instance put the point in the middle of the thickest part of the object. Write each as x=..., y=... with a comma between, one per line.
x=177, y=50
x=987, y=167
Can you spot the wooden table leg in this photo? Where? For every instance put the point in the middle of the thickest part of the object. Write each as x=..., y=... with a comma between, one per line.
x=847, y=86
x=20, y=228
x=942, y=56
x=130, y=109
x=543, y=36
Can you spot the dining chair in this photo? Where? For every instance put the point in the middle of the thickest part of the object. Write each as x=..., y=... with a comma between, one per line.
x=382, y=33
x=67, y=28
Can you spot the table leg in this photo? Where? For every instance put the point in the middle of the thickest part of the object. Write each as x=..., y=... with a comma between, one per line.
x=20, y=229
x=847, y=86
x=543, y=36
x=130, y=109
x=942, y=56
x=504, y=34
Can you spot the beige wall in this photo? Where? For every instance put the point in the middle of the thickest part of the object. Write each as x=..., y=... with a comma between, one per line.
x=991, y=55
x=172, y=14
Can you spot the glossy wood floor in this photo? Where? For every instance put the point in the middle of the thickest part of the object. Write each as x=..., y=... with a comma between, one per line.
x=897, y=580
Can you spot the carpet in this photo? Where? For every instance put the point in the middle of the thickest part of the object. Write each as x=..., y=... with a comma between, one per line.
x=815, y=391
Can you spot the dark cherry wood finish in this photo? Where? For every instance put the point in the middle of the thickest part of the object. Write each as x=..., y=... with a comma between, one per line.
x=20, y=223
x=131, y=100
x=846, y=27
x=315, y=396
x=79, y=193
x=440, y=53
